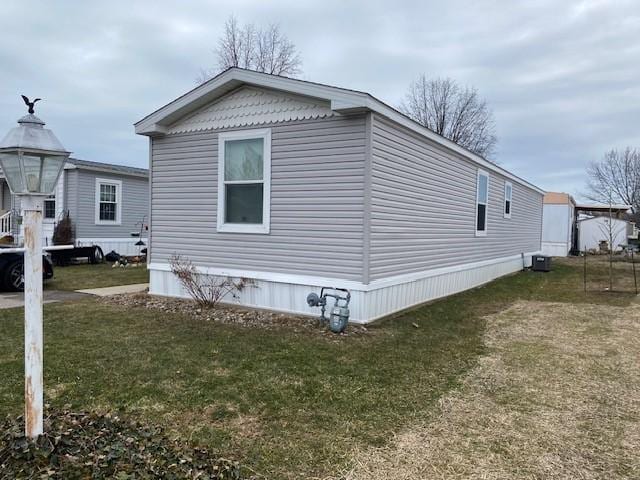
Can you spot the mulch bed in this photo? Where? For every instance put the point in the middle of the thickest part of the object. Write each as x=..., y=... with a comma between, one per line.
x=79, y=445
x=226, y=314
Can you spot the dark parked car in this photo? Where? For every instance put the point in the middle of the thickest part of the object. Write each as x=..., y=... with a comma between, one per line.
x=12, y=271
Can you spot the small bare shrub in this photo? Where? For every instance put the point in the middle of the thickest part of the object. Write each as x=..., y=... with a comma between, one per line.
x=206, y=290
x=64, y=231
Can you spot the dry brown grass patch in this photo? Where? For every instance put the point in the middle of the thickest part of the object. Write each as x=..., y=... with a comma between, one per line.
x=557, y=396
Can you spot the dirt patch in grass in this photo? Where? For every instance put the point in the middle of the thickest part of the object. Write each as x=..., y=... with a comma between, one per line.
x=230, y=315
x=557, y=396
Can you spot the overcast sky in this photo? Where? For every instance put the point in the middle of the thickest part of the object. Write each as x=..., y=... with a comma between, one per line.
x=563, y=77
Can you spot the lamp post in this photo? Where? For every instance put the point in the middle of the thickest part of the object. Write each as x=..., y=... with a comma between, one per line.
x=32, y=159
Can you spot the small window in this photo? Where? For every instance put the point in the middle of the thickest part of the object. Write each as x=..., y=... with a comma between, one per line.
x=108, y=201
x=508, y=193
x=482, y=203
x=244, y=178
x=50, y=207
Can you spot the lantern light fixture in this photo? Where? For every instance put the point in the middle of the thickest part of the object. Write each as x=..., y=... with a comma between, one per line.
x=31, y=157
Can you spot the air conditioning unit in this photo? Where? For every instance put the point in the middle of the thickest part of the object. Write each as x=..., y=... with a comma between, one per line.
x=541, y=263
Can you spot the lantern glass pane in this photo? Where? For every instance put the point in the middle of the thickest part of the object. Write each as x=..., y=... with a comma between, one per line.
x=10, y=163
x=51, y=168
x=31, y=166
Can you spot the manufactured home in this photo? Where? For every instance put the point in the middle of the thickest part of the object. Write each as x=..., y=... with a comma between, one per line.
x=298, y=185
x=108, y=205
x=558, y=224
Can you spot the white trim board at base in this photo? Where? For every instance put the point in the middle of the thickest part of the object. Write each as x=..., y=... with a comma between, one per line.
x=287, y=293
x=123, y=245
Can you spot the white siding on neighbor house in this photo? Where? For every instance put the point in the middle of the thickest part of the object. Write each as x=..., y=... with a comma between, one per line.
x=71, y=191
x=596, y=230
x=5, y=201
x=423, y=207
x=317, y=192
x=557, y=220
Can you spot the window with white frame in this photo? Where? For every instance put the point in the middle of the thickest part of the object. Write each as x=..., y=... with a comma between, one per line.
x=508, y=194
x=50, y=207
x=108, y=201
x=244, y=181
x=482, y=203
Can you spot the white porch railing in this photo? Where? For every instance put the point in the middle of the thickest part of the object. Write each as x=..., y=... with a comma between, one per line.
x=5, y=223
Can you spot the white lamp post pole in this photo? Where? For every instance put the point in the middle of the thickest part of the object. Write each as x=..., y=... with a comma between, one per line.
x=33, y=331
x=32, y=159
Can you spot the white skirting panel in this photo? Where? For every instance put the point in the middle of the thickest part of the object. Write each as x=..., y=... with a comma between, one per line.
x=368, y=302
x=124, y=246
x=556, y=249
x=385, y=301
x=277, y=296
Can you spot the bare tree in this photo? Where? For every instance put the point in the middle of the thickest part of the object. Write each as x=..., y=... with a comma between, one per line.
x=265, y=50
x=454, y=112
x=611, y=233
x=616, y=178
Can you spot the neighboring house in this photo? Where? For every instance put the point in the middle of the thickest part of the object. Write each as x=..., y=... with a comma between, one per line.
x=107, y=204
x=594, y=230
x=558, y=224
x=299, y=185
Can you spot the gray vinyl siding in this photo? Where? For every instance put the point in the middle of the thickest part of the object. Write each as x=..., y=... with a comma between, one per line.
x=423, y=207
x=317, y=192
x=71, y=192
x=135, y=204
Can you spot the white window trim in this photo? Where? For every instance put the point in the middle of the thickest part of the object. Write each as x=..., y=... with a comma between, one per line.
x=118, y=184
x=264, y=227
x=504, y=204
x=482, y=233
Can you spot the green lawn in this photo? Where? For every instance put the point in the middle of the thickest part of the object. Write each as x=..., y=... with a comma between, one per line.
x=77, y=277
x=286, y=404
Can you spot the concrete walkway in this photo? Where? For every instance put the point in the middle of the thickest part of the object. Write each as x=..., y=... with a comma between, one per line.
x=117, y=290
x=16, y=299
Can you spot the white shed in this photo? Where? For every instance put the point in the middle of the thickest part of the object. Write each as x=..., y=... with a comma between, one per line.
x=592, y=231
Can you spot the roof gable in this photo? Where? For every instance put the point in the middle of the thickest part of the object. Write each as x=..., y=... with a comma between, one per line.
x=340, y=101
x=252, y=106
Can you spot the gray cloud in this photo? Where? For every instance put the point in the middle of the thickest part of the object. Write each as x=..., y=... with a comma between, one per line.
x=562, y=77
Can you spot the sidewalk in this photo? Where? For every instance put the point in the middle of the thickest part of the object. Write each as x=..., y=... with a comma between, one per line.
x=118, y=289
x=16, y=299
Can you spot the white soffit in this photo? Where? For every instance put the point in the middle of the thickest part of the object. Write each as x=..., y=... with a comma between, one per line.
x=252, y=106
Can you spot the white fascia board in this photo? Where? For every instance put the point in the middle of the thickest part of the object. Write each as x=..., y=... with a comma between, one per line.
x=342, y=101
x=73, y=166
x=113, y=172
x=230, y=79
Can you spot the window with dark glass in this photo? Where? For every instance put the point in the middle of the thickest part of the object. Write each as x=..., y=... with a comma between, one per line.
x=508, y=193
x=482, y=202
x=50, y=207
